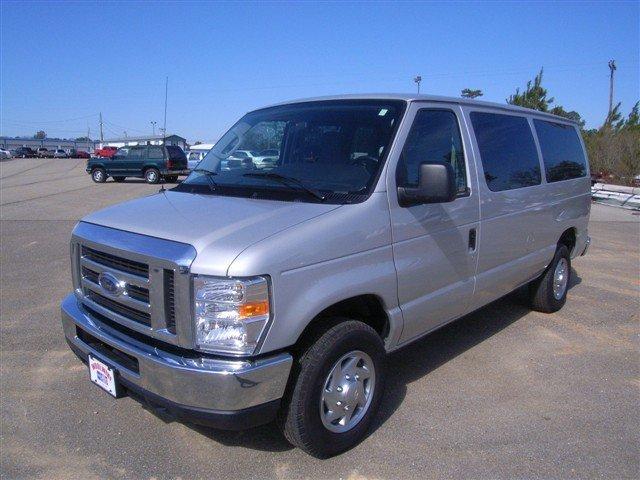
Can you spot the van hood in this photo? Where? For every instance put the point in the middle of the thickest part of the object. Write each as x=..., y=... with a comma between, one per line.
x=218, y=227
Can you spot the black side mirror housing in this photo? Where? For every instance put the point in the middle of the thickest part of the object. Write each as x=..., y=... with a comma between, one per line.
x=436, y=184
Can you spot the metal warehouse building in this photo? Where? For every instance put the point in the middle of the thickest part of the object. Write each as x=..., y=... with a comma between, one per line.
x=170, y=139
x=49, y=143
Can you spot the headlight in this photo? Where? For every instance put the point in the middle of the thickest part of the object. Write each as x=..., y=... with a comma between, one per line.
x=230, y=314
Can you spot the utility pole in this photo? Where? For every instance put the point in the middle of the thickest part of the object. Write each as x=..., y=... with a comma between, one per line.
x=612, y=68
x=417, y=80
x=153, y=124
x=101, y=135
x=88, y=137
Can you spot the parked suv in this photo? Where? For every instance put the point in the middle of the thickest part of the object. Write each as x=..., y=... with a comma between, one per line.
x=25, y=152
x=246, y=295
x=44, y=152
x=151, y=162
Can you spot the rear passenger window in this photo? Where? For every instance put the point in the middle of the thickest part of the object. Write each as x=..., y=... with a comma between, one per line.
x=434, y=138
x=562, y=152
x=155, y=153
x=508, y=152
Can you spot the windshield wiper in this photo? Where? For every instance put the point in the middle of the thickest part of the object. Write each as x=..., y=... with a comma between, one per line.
x=208, y=174
x=290, y=182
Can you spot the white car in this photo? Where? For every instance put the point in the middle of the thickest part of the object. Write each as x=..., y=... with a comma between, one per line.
x=59, y=153
x=4, y=153
x=266, y=158
x=193, y=158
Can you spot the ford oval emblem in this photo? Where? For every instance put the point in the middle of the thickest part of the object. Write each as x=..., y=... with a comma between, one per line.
x=111, y=284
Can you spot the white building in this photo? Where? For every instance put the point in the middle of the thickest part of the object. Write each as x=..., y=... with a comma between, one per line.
x=170, y=139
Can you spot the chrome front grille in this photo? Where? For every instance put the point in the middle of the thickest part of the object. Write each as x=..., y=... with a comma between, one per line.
x=149, y=276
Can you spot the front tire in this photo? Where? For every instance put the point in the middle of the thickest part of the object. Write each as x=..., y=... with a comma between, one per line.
x=98, y=175
x=548, y=293
x=152, y=175
x=336, y=391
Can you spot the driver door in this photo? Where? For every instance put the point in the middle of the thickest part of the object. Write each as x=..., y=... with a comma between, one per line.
x=117, y=163
x=434, y=245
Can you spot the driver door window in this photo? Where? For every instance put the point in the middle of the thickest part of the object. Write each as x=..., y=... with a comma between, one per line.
x=434, y=138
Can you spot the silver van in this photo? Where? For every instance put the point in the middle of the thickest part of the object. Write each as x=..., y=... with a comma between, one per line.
x=248, y=295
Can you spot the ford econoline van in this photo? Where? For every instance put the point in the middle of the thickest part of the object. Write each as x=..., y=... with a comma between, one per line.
x=246, y=295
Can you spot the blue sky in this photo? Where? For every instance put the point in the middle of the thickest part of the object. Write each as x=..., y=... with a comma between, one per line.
x=62, y=63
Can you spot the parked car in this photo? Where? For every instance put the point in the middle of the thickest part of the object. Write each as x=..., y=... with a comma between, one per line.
x=105, y=152
x=44, y=152
x=25, y=152
x=243, y=296
x=194, y=158
x=266, y=159
x=239, y=159
x=151, y=162
x=59, y=153
x=73, y=153
x=4, y=153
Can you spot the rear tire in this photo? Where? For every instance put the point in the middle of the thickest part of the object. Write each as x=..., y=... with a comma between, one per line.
x=119, y=179
x=342, y=369
x=98, y=175
x=152, y=175
x=548, y=293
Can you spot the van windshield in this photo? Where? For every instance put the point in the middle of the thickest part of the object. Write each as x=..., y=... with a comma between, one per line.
x=335, y=148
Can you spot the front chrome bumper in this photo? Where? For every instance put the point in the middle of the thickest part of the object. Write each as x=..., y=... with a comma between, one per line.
x=195, y=382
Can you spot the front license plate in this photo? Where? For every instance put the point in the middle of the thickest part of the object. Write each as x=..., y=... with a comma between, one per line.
x=103, y=376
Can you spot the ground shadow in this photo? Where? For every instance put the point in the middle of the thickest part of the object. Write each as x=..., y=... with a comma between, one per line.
x=408, y=365
x=142, y=180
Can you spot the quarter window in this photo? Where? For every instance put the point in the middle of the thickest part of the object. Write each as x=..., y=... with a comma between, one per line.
x=156, y=153
x=434, y=138
x=562, y=152
x=508, y=152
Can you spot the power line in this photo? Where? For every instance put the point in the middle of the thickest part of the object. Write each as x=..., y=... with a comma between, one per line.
x=55, y=121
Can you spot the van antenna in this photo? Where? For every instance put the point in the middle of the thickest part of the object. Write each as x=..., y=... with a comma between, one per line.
x=164, y=129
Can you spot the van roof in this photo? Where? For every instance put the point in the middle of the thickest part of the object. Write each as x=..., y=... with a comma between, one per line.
x=429, y=98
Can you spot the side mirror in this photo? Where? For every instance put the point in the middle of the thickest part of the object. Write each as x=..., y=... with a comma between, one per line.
x=436, y=184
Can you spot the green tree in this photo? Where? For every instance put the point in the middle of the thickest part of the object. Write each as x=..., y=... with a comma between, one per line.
x=572, y=115
x=83, y=139
x=614, y=148
x=40, y=135
x=471, y=93
x=534, y=96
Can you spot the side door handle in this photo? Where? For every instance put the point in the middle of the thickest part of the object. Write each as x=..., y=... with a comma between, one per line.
x=472, y=240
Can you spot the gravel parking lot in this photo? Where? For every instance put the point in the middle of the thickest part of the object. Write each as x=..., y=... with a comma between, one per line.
x=502, y=393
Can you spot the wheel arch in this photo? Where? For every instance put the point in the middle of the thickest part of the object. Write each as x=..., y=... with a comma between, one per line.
x=366, y=308
x=569, y=238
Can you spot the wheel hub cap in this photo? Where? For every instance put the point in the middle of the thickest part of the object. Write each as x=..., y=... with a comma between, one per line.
x=560, y=278
x=347, y=392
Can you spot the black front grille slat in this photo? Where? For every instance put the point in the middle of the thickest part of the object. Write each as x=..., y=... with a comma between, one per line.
x=169, y=300
x=90, y=275
x=113, y=261
x=138, y=293
x=114, y=306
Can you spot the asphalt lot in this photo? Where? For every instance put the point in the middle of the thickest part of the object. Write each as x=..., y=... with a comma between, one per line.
x=502, y=393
